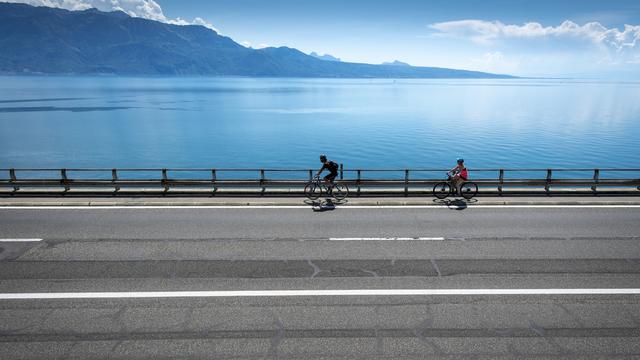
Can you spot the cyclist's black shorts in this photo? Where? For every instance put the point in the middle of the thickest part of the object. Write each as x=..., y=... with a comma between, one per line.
x=331, y=176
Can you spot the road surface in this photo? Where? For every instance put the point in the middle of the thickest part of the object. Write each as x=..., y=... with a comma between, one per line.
x=291, y=283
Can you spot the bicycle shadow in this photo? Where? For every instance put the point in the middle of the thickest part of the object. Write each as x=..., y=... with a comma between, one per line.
x=455, y=204
x=324, y=205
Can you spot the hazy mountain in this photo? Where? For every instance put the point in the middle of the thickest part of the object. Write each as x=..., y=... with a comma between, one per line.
x=55, y=41
x=326, y=57
x=396, y=63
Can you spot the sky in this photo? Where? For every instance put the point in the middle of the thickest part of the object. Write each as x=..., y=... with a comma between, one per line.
x=570, y=38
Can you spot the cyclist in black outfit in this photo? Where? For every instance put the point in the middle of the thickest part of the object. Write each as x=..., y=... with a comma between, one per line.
x=331, y=166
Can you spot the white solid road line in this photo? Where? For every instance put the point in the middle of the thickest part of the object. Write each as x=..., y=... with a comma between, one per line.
x=345, y=207
x=20, y=240
x=295, y=293
x=387, y=239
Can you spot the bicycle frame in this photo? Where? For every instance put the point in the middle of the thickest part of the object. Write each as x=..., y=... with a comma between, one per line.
x=321, y=183
x=328, y=189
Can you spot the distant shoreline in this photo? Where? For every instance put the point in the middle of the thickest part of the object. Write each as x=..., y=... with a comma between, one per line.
x=186, y=76
x=165, y=76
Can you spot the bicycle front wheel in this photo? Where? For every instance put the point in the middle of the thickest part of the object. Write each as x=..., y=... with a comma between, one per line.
x=468, y=190
x=313, y=191
x=340, y=191
x=441, y=190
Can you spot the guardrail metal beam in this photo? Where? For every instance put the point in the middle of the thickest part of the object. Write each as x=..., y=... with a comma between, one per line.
x=412, y=178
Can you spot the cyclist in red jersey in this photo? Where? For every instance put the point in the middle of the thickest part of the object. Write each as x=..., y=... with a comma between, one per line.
x=459, y=174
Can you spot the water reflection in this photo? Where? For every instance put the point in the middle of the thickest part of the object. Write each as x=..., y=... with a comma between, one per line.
x=286, y=123
x=55, y=108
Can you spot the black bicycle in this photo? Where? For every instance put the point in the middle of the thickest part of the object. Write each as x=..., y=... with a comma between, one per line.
x=468, y=189
x=315, y=188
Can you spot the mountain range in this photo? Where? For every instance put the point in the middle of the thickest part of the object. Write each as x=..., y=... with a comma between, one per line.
x=44, y=40
x=325, y=57
x=396, y=63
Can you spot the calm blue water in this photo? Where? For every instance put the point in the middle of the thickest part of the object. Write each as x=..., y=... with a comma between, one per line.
x=286, y=123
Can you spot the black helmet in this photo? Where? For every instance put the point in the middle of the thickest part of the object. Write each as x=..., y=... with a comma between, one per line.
x=323, y=157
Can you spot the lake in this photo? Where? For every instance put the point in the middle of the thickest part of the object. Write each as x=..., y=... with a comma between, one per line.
x=53, y=122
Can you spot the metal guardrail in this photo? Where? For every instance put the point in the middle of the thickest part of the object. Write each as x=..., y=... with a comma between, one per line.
x=394, y=181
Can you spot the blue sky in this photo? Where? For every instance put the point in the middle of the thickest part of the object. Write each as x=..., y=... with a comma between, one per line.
x=529, y=38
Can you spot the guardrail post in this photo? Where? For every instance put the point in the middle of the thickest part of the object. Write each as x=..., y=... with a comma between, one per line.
x=358, y=182
x=262, y=181
x=165, y=180
x=341, y=170
x=310, y=175
x=501, y=179
x=12, y=175
x=406, y=182
x=214, y=178
x=65, y=180
x=546, y=187
x=114, y=179
x=596, y=179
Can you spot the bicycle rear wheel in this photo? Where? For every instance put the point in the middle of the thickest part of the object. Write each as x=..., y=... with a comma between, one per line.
x=441, y=190
x=313, y=191
x=468, y=190
x=340, y=191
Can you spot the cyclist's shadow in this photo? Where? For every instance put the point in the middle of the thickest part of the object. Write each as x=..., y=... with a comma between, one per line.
x=455, y=204
x=324, y=205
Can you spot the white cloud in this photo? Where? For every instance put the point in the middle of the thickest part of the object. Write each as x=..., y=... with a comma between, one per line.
x=249, y=44
x=197, y=21
x=203, y=22
x=486, y=32
x=146, y=9
x=538, y=49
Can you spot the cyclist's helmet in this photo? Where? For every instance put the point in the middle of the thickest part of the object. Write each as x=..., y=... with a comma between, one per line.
x=459, y=160
x=323, y=158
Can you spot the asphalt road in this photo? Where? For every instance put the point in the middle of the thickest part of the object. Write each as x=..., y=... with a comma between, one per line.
x=243, y=223
x=122, y=253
